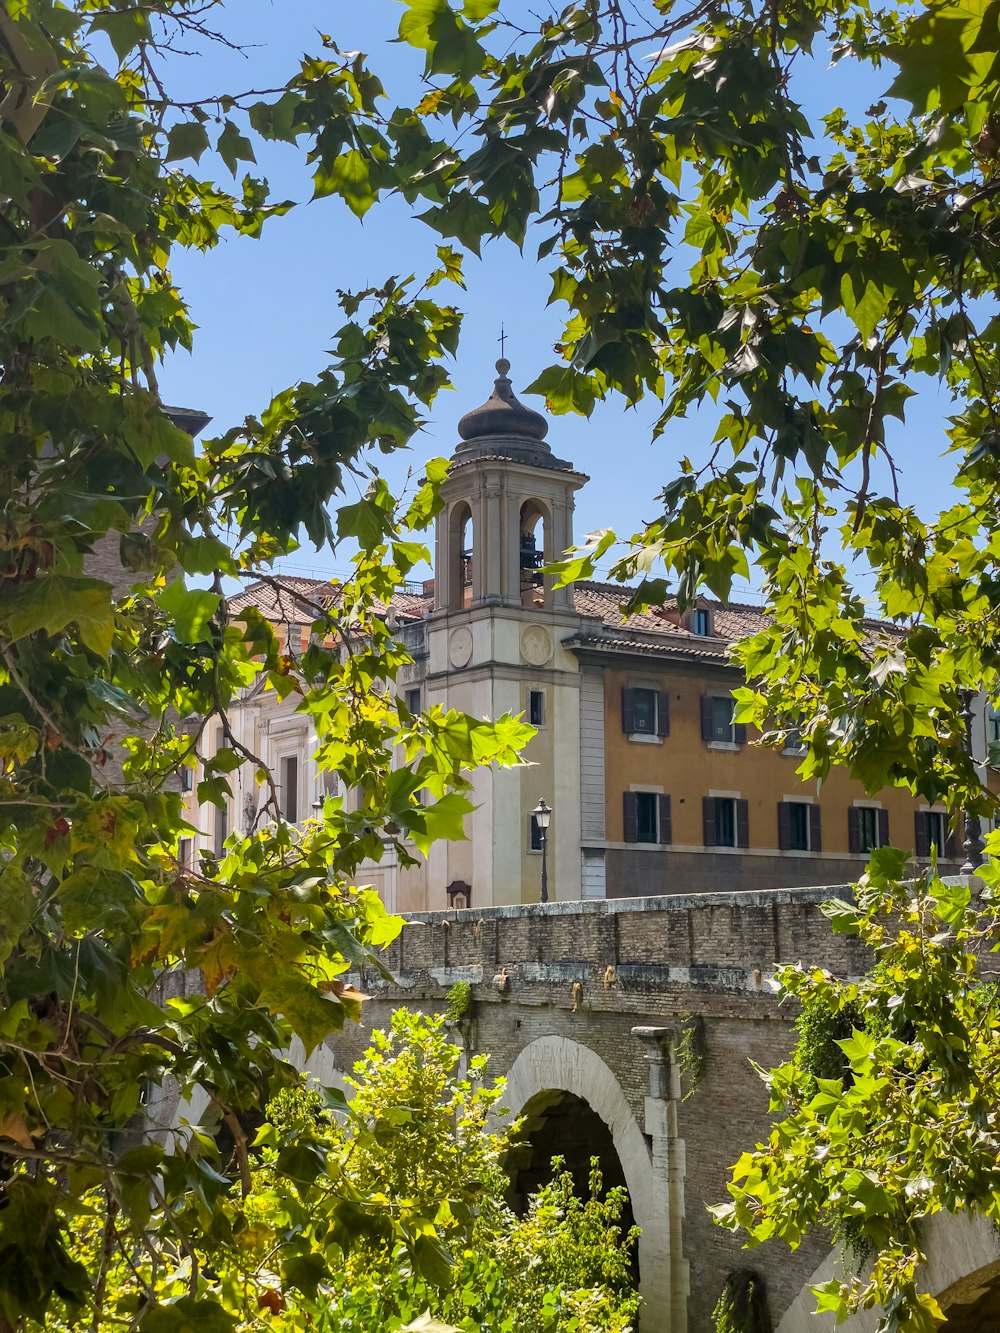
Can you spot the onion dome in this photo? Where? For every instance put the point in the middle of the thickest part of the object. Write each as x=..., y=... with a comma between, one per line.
x=503, y=427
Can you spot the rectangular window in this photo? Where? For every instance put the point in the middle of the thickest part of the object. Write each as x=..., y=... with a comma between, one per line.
x=184, y=853
x=645, y=712
x=646, y=821
x=290, y=788
x=798, y=826
x=187, y=778
x=931, y=831
x=717, y=723
x=701, y=623
x=413, y=699
x=993, y=725
x=536, y=708
x=726, y=821
x=646, y=817
x=867, y=828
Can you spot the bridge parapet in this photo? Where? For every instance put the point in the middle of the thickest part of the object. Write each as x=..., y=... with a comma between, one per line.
x=727, y=942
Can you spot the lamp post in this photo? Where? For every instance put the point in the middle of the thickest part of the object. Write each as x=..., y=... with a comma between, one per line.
x=543, y=814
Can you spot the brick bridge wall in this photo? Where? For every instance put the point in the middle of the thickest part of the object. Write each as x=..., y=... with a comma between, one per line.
x=641, y=962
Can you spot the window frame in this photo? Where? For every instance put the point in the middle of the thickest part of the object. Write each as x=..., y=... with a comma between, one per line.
x=659, y=803
x=812, y=819
x=737, y=732
x=738, y=811
x=859, y=814
x=660, y=713
x=923, y=839
x=290, y=757
x=536, y=717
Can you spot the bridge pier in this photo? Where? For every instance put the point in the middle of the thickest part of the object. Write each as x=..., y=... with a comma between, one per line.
x=666, y=1291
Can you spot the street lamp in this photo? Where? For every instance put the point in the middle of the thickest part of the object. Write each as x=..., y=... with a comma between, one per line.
x=543, y=814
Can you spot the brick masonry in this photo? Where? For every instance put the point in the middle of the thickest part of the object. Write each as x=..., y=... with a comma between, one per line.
x=650, y=961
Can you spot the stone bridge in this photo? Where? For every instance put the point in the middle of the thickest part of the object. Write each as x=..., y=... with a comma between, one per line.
x=584, y=1006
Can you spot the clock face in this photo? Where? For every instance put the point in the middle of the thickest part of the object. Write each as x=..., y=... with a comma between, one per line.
x=536, y=645
x=460, y=646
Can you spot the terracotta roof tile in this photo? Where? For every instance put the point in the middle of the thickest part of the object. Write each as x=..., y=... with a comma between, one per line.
x=289, y=599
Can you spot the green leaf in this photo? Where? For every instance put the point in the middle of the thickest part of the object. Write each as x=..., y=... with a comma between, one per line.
x=432, y=1261
x=55, y=602
x=234, y=147
x=190, y=610
x=186, y=1314
x=125, y=28
x=348, y=175
x=189, y=139
x=844, y=917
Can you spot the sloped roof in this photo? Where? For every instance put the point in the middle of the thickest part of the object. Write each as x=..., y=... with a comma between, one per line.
x=290, y=599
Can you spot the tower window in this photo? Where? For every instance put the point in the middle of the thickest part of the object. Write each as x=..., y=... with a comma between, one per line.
x=536, y=708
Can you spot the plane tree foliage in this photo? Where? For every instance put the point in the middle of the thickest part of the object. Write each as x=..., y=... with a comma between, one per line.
x=422, y=1137
x=129, y=979
x=713, y=246
x=886, y=1113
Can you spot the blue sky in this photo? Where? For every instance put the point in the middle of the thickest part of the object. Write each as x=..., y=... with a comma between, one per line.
x=267, y=309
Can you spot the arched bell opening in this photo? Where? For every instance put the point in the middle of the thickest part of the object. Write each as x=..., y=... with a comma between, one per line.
x=461, y=545
x=533, y=553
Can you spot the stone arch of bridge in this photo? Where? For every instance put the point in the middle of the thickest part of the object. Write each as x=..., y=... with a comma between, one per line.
x=552, y=1065
x=962, y=1271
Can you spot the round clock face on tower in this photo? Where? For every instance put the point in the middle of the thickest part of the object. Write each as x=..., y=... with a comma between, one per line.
x=536, y=645
x=460, y=646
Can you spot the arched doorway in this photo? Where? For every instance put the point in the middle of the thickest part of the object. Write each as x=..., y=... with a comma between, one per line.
x=561, y=1124
x=962, y=1271
x=555, y=1080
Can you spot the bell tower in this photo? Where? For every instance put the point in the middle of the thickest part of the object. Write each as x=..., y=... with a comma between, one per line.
x=496, y=646
x=509, y=509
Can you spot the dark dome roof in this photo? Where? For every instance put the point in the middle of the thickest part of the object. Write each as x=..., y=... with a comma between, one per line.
x=502, y=415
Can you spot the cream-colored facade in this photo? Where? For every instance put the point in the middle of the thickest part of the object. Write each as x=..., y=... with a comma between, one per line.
x=651, y=791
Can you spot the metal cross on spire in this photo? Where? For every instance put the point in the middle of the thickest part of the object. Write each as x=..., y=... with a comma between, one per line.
x=501, y=340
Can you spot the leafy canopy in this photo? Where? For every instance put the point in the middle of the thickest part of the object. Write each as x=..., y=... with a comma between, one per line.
x=127, y=978
x=335, y=1187
x=888, y=1105
x=711, y=248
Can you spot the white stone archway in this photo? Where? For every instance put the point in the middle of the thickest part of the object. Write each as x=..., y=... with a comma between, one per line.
x=557, y=1064
x=961, y=1249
